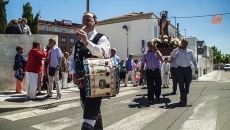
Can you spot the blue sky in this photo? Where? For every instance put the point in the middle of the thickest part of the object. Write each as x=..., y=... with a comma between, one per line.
x=201, y=27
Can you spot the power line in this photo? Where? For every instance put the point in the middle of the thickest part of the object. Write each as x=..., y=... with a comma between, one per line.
x=199, y=16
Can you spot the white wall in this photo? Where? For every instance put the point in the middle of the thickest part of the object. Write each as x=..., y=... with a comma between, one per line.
x=8, y=44
x=138, y=30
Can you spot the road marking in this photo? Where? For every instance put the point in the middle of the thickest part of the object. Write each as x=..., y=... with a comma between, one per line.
x=219, y=76
x=204, y=116
x=138, y=120
x=38, y=112
x=126, y=93
x=56, y=124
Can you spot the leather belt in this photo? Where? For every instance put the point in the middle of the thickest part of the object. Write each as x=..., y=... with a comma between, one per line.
x=154, y=69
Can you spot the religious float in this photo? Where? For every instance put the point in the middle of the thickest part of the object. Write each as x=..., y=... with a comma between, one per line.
x=165, y=43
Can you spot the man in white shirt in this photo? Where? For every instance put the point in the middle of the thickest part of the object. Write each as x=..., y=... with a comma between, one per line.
x=24, y=28
x=114, y=56
x=184, y=57
x=54, y=57
x=92, y=44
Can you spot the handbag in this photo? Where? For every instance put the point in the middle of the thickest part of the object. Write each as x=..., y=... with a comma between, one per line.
x=19, y=75
x=52, y=71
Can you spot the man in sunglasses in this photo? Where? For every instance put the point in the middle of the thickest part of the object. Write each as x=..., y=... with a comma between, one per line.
x=152, y=59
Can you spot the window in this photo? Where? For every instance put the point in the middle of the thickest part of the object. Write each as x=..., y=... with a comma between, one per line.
x=54, y=29
x=72, y=31
x=44, y=27
x=63, y=49
x=71, y=40
x=63, y=39
x=63, y=30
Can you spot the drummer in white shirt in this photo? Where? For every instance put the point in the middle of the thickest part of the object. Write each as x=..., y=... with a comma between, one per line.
x=92, y=44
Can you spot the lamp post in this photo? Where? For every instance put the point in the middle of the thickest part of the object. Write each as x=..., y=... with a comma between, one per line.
x=184, y=32
x=126, y=28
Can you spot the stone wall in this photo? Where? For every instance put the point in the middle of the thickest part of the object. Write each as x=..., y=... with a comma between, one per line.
x=8, y=44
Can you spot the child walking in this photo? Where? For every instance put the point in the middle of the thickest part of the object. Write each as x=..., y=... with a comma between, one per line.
x=165, y=73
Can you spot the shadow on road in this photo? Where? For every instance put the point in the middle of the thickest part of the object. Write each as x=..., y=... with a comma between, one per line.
x=142, y=101
x=174, y=105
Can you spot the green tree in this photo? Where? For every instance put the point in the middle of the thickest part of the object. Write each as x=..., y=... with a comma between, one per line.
x=27, y=13
x=226, y=58
x=3, y=20
x=217, y=56
x=35, y=24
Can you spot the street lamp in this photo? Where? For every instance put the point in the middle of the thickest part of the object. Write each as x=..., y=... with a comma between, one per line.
x=185, y=32
x=126, y=28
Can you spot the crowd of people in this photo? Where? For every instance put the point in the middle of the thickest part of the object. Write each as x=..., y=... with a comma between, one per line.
x=18, y=27
x=151, y=70
x=42, y=70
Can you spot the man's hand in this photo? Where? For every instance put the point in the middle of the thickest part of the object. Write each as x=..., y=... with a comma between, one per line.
x=196, y=71
x=83, y=35
x=75, y=79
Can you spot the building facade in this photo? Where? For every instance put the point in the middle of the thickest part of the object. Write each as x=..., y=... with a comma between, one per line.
x=205, y=60
x=65, y=30
x=130, y=33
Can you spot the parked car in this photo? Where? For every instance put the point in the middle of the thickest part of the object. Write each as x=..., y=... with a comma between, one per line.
x=227, y=67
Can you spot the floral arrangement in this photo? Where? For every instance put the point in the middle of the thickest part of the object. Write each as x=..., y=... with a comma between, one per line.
x=166, y=41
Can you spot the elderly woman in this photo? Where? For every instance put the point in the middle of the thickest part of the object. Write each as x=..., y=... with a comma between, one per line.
x=19, y=64
x=65, y=70
x=33, y=68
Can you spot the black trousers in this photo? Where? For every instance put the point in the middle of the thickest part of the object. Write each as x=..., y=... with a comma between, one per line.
x=153, y=83
x=91, y=106
x=185, y=78
x=174, y=75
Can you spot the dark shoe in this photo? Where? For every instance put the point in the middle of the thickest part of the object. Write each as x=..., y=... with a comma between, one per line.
x=158, y=100
x=125, y=85
x=167, y=86
x=99, y=124
x=47, y=96
x=150, y=102
x=173, y=93
x=181, y=102
x=38, y=94
x=86, y=126
x=164, y=86
x=135, y=85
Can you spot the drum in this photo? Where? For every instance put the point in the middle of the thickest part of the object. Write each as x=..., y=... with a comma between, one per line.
x=101, y=77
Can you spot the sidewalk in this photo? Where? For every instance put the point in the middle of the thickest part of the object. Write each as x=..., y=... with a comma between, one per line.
x=16, y=100
x=212, y=76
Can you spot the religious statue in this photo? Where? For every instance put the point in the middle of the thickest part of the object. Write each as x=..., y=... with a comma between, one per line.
x=163, y=23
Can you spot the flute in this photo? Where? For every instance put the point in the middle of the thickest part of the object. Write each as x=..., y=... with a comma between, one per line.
x=82, y=28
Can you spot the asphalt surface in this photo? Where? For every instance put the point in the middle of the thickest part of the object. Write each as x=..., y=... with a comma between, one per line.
x=207, y=109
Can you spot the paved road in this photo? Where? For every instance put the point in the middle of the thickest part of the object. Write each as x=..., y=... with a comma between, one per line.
x=208, y=109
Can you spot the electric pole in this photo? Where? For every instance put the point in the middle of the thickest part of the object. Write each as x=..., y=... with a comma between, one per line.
x=87, y=5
